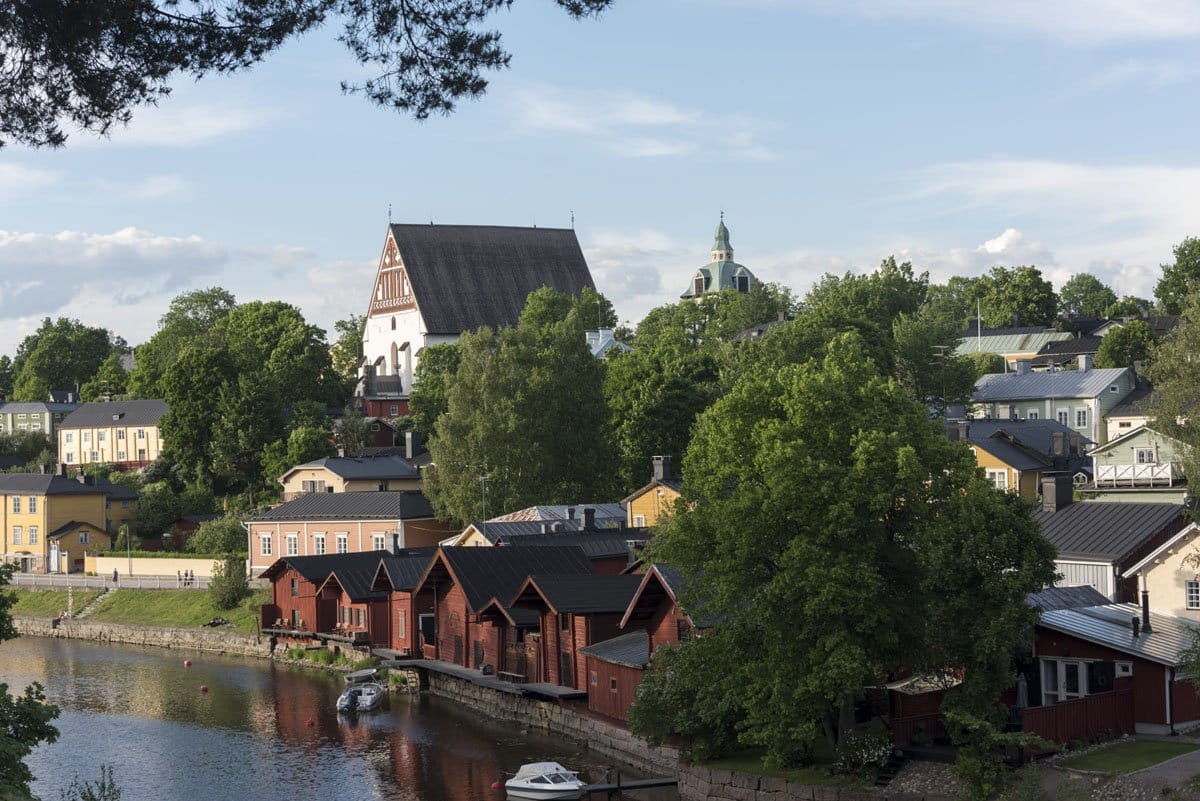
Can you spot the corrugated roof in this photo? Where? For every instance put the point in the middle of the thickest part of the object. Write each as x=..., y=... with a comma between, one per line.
x=1053, y=598
x=632, y=649
x=1035, y=386
x=595, y=544
x=1109, y=625
x=583, y=595
x=1110, y=532
x=562, y=511
x=404, y=571
x=131, y=412
x=363, y=468
x=485, y=573
x=467, y=276
x=407, y=505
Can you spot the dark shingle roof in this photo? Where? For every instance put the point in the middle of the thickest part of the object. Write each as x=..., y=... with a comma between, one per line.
x=595, y=544
x=1065, y=350
x=36, y=407
x=466, y=276
x=404, y=571
x=67, y=528
x=1025, y=444
x=486, y=573
x=132, y=413
x=364, y=468
x=408, y=505
x=1053, y=598
x=632, y=649
x=316, y=569
x=38, y=484
x=1136, y=403
x=583, y=595
x=1108, y=531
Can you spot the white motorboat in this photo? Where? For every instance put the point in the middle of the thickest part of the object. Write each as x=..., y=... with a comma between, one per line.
x=361, y=697
x=545, y=780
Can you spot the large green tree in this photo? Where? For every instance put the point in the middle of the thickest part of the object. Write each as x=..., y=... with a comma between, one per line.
x=61, y=354
x=1129, y=306
x=192, y=389
x=248, y=419
x=1016, y=296
x=1127, y=346
x=1085, y=295
x=6, y=377
x=435, y=372
x=346, y=349
x=526, y=421
x=832, y=531
x=189, y=320
x=1180, y=278
x=1175, y=373
x=92, y=67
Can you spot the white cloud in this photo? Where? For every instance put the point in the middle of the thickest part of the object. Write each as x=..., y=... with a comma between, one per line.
x=632, y=125
x=1079, y=22
x=16, y=180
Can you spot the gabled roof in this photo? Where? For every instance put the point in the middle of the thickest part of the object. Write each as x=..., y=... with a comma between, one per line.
x=1135, y=404
x=74, y=525
x=1053, y=598
x=1132, y=434
x=602, y=340
x=660, y=582
x=520, y=617
x=1108, y=532
x=600, y=544
x=1008, y=340
x=1036, y=386
x=563, y=511
x=407, y=505
x=315, y=569
x=1023, y=444
x=1109, y=625
x=129, y=413
x=484, y=573
x=403, y=571
x=580, y=595
x=1172, y=542
x=365, y=468
x=467, y=276
x=675, y=484
x=632, y=649
x=12, y=407
x=356, y=576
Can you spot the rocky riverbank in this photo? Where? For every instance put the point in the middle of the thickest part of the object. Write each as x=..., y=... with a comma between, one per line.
x=199, y=639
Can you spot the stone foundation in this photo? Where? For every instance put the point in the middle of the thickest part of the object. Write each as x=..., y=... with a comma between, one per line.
x=201, y=639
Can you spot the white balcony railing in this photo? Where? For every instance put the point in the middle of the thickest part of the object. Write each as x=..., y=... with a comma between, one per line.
x=1163, y=474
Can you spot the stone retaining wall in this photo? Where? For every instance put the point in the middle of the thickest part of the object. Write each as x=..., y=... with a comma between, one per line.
x=201, y=639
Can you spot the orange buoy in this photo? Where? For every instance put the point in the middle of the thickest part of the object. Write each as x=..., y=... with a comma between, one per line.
x=203, y=688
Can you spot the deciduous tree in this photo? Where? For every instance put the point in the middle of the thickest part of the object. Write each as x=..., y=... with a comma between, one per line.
x=1180, y=278
x=62, y=354
x=1128, y=346
x=111, y=379
x=1129, y=306
x=223, y=535
x=6, y=377
x=1016, y=296
x=435, y=372
x=189, y=320
x=347, y=347
x=1085, y=295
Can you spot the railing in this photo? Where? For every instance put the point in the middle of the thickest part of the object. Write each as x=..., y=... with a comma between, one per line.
x=1135, y=475
x=1082, y=718
x=47, y=580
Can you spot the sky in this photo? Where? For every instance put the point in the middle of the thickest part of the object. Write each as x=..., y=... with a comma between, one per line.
x=958, y=134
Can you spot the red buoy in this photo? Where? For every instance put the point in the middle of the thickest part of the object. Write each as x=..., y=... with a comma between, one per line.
x=187, y=663
x=203, y=688
x=496, y=785
x=310, y=723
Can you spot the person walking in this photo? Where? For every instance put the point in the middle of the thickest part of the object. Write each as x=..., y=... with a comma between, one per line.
x=114, y=575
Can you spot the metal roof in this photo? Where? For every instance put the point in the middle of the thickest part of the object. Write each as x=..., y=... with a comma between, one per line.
x=1035, y=386
x=582, y=595
x=1022, y=341
x=36, y=407
x=408, y=505
x=404, y=571
x=595, y=544
x=1109, y=532
x=562, y=511
x=1110, y=625
x=632, y=649
x=486, y=573
x=1053, y=598
x=130, y=413
x=39, y=484
x=365, y=468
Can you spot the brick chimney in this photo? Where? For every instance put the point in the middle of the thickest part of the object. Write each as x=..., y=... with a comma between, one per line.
x=589, y=518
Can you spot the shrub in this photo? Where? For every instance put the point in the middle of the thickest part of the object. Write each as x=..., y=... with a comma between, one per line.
x=229, y=582
x=223, y=535
x=863, y=749
x=103, y=790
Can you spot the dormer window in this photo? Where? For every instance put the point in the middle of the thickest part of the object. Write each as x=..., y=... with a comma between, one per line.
x=699, y=285
x=742, y=283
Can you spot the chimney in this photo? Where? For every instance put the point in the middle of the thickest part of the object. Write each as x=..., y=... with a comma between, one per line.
x=545, y=528
x=589, y=518
x=341, y=451
x=1146, y=611
x=1085, y=362
x=1057, y=492
x=782, y=316
x=662, y=468
x=964, y=430
x=62, y=469
x=570, y=512
x=410, y=445
x=1058, y=443
x=1024, y=366
x=1134, y=624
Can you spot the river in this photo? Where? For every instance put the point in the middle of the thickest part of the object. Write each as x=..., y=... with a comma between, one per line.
x=141, y=711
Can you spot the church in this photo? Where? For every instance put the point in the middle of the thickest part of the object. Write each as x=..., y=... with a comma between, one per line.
x=722, y=272
x=435, y=282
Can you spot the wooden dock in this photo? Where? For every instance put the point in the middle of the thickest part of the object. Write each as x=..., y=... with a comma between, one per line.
x=611, y=789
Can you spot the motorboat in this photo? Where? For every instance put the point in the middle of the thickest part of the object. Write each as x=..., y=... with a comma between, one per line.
x=369, y=674
x=361, y=697
x=545, y=780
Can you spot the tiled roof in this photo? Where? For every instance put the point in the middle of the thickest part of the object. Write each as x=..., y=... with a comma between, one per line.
x=632, y=649
x=583, y=595
x=363, y=468
x=132, y=413
x=407, y=505
x=1053, y=598
x=1106, y=531
x=1035, y=386
x=467, y=276
x=486, y=573
x=1110, y=625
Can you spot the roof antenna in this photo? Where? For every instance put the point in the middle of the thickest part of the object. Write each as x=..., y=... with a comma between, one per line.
x=572, y=219
x=389, y=214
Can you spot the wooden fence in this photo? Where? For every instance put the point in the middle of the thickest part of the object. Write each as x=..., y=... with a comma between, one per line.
x=1082, y=718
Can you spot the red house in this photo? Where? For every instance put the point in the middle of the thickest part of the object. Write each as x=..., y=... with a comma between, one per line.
x=462, y=583
x=409, y=618
x=574, y=612
x=296, y=609
x=362, y=612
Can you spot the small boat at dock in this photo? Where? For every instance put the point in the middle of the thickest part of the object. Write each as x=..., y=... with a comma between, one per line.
x=361, y=696
x=550, y=780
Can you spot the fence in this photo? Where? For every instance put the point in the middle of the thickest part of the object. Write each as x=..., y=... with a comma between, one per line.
x=49, y=580
x=1082, y=718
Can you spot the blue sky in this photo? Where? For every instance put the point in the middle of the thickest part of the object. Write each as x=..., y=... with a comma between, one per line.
x=956, y=133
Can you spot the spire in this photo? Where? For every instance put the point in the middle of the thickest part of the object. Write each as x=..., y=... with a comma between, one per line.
x=721, y=249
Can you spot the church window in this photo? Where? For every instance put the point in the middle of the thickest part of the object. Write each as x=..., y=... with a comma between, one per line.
x=393, y=323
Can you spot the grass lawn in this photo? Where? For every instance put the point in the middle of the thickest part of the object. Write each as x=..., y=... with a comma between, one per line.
x=176, y=608
x=49, y=603
x=750, y=761
x=1131, y=756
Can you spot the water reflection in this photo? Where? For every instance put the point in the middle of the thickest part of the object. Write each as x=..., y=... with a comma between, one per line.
x=250, y=736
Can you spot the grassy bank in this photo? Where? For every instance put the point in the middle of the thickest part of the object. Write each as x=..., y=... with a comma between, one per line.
x=176, y=608
x=1128, y=757
x=50, y=603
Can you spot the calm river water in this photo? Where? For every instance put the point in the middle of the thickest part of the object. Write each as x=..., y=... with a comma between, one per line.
x=141, y=711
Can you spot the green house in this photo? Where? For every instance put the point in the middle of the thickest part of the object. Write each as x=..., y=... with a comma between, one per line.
x=1140, y=466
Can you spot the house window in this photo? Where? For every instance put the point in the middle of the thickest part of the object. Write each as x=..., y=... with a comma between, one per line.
x=1063, y=416
x=318, y=544
x=121, y=456
x=141, y=433
x=67, y=437
x=999, y=479
x=32, y=504
x=16, y=535
x=1125, y=425
x=1063, y=680
x=639, y=521
x=22, y=426
x=21, y=416
x=743, y=283
x=36, y=427
x=120, y=433
x=87, y=436
x=70, y=458
x=612, y=684
x=83, y=537
x=295, y=588
x=1081, y=418
x=1193, y=594
x=1144, y=455
x=124, y=504
x=377, y=541
x=374, y=426
x=264, y=542
x=395, y=411
x=312, y=486
x=33, y=535
x=101, y=436
x=95, y=456
x=1124, y=669
x=1114, y=388
x=291, y=544
x=594, y=678
x=141, y=454
x=16, y=504
x=402, y=628
x=393, y=322
x=343, y=543
x=698, y=285
x=564, y=622
x=1032, y=414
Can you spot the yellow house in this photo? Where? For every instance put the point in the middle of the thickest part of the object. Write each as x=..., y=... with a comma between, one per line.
x=656, y=499
x=1016, y=454
x=1169, y=576
x=351, y=474
x=44, y=517
x=124, y=433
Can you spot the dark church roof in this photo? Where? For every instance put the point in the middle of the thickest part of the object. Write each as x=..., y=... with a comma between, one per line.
x=466, y=276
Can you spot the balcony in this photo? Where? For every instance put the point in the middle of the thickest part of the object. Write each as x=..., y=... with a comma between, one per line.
x=1162, y=474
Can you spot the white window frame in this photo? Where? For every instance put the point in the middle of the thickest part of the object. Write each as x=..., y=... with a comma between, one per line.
x=67, y=437
x=1032, y=414
x=291, y=544
x=264, y=544
x=83, y=537
x=379, y=542
x=16, y=504
x=1123, y=670
x=1058, y=669
x=1144, y=456
x=33, y=535
x=1002, y=475
x=318, y=544
x=32, y=504
x=17, y=534
x=341, y=542
x=1191, y=594
x=1063, y=416
x=1081, y=415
